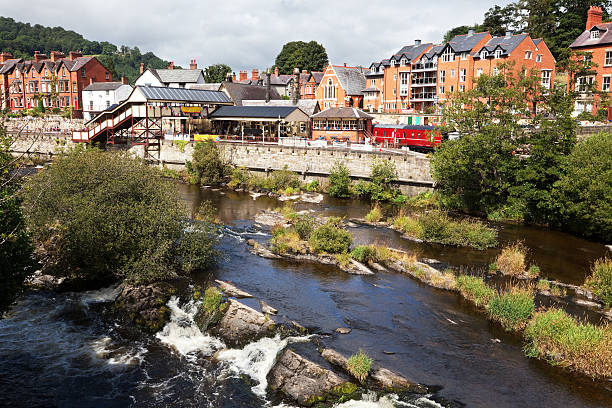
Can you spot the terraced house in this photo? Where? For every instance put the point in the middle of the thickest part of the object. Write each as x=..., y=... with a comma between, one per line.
x=56, y=81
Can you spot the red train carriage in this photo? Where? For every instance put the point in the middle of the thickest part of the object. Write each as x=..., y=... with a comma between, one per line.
x=415, y=137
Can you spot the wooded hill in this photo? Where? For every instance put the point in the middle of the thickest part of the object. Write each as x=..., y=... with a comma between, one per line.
x=22, y=39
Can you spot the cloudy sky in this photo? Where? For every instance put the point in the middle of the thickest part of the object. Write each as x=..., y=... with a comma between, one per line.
x=249, y=34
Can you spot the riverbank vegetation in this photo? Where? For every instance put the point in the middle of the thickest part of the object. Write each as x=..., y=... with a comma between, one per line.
x=600, y=280
x=278, y=181
x=359, y=365
x=97, y=216
x=507, y=167
x=438, y=227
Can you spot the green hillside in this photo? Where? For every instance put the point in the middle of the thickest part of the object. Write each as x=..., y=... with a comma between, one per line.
x=22, y=39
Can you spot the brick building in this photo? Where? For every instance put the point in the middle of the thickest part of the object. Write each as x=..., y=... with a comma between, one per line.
x=341, y=86
x=597, y=41
x=55, y=80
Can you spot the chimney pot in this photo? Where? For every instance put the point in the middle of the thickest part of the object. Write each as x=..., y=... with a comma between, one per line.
x=594, y=17
x=171, y=65
x=276, y=71
x=233, y=76
x=255, y=75
x=142, y=68
x=193, y=64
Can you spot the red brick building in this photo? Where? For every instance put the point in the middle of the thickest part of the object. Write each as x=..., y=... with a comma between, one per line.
x=597, y=41
x=342, y=125
x=341, y=86
x=27, y=82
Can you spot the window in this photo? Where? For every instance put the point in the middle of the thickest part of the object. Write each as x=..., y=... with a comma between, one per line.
x=527, y=54
x=594, y=34
x=302, y=127
x=462, y=75
x=63, y=71
x=484, y=54
x=448, y=55
x=442, y=76
x=90, y=105
x=395, y=77
x=498, y=54
x=478, y=72
x=393, y=91
x=539, y=58
x=608, y=60
x=404, y=79
x=74, y=87
x=495, y=71
x=107, y=93
x=452, y=75
x=372, y=82
x=329, y=90
x=83, y=72
x=392, y=63
x=441, y=89
x=606, y=84
x=106, y=76
x=452, y=89
x=546, y=79
x=464, y=56
x=584, y=83
x=404, y=62
x=461, y=88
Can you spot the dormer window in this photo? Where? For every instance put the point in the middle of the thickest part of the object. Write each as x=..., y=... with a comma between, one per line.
x=498, y=54
x=392, y=63
x=484, y=54
x=448, y=55
x=464, y=56
x=594, y=34
x=404, y=62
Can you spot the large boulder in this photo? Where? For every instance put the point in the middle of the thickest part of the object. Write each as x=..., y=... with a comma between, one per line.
x=241, y=324
x=145, y=304
x=306, y=382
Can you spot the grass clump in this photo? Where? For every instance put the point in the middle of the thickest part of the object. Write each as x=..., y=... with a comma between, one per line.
x=359, y=365
x=511, y=260
x=287, y=241
x=557, y=337
x=512, y=309
x=543, y=285
x=212, y=300
x=375, y=214
x=365, y=254
x=533, y=271
x=600, y=281
x=344, y=260
x=437, y=226
x=475, y=289
x=330, y=238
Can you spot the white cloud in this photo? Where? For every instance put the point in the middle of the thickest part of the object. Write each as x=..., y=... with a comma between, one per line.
x=249, y=34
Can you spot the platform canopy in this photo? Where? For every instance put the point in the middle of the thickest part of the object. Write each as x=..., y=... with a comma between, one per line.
x=178, y=95
x=260, y=113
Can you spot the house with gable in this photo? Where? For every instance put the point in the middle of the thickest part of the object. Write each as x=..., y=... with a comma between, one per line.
x=171, y=77
x=341, y=86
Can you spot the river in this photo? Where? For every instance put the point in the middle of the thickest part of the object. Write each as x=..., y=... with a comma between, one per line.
x=68, y=350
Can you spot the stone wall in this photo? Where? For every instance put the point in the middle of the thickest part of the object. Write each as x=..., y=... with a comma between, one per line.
x=584, y=132
x=40, y=144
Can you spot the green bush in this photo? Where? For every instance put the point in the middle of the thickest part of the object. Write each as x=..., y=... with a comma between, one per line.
x=512, y=309
x=304, y=226
x=600, y=281
x=312, y=187
x=374, y=215
x=557, y=337
x=330, y=238
x=239, y=176
x=475, y=289
x=280, y=180
x=212, y=300
x=583, y=195
x=99, y=216
x=339, y=181
x=207, y=166
x=359, y=365
x=511, y=260
x=365, y=254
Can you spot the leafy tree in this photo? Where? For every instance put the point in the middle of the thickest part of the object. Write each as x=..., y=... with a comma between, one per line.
x=339, y=181
x=15, y=249
x=583, y=195
x=310, y=56
x=110, y=65
x=99, y=216
x=207, y=166
x=216, y=73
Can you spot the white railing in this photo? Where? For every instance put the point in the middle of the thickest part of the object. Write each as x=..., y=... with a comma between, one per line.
x=362, y=147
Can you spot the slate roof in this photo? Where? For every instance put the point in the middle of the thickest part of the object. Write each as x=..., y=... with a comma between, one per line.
x=168, y=76
x=24, y=66
x=264, y=112
x=466, y=42
x=349, y=113
x=317, y=76
x=351, y=79
x=435, y=50
x=308, y=106
x=239, y=92
x=160, y=93
x=585, y=40
x=103, y=86
x=410, y=52
x=507, y=44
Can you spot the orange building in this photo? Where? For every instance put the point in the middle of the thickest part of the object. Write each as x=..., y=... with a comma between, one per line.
x=341, y=86
x=596, y=40
x=27, y=82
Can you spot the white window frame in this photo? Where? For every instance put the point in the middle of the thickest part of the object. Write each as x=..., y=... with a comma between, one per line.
x=539, y=58
x=452, y=73
x=594, y=34
x=448, y=55
x=479, y=72
x=528, y=55
x=442, y=76
x=605, y=88
x=484, y=54
x=464, y=56
x=546, y=76
x=462, y=75
x=608, y=58
x=498, y=54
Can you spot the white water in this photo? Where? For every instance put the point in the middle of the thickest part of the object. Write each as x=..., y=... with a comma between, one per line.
x=182, y=334
x=371, y=400
x=257, y=359
x=101, y=296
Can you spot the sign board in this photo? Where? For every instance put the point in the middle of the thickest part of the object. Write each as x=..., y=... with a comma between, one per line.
x=190, y=109
x=202, y=138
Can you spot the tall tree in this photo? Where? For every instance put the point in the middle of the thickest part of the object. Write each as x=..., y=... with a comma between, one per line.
x=216, y=73
x=310, y=56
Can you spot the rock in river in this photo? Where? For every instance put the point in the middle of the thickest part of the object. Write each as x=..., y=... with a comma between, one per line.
x=240, y=324
x=232, y=291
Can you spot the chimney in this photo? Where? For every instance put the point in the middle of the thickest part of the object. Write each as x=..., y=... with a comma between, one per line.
x=417, y=42
x=39, y=57
x=296, y=85
x=268, y=85
x=74, y=55
x=255, y=75
x=233, y=76
x=193, y=65
x=5, y=56
x=471, y=32
x=304, y=71
x=125, y=80
x=509, y=33
x=243, y=76
x=171, y=65
x=56, y=55
x=142, y=69
x=594, y=17
x=230, y=77
x=276, y=72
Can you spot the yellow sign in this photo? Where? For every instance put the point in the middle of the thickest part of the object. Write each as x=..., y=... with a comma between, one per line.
x=190, y=109
x=202, y=138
